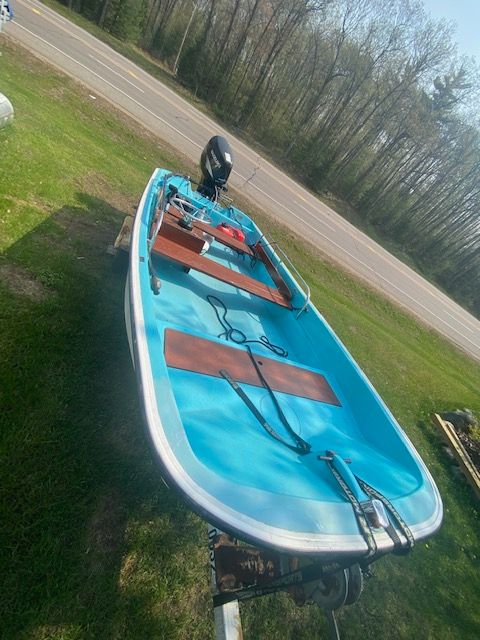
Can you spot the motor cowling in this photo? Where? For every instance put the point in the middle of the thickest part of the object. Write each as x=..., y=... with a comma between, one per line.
x=216, y=164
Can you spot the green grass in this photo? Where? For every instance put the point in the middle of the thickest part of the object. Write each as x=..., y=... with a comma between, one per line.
x=92, y=543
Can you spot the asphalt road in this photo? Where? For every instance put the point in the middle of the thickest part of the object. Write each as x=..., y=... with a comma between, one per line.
x=173, y=119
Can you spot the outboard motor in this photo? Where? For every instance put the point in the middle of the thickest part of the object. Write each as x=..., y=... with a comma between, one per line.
x=215, y=164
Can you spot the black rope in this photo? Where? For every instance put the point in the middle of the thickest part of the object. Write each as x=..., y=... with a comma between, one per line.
x=304, y=446
x=301, y=448
x=236, y=335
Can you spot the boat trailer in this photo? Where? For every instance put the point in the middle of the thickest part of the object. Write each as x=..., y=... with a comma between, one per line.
x=241, y=572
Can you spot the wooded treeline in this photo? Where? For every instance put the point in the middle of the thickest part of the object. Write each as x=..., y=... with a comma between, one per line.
x=364, y=98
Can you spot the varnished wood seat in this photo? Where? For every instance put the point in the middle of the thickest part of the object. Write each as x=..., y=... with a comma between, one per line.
x=177, y=252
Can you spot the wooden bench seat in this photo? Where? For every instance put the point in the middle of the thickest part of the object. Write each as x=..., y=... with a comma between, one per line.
x=192, y=260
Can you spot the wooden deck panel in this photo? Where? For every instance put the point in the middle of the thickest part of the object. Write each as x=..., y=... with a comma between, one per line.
x=273, y=271
x=191, y=353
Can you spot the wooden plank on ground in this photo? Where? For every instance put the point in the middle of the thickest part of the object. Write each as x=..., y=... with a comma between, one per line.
x=461, y=456
x=122, y=241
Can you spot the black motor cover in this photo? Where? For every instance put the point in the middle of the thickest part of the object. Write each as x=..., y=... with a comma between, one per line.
x=215, y=164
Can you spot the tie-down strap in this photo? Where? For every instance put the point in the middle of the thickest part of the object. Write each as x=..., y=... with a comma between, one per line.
x=368, y=513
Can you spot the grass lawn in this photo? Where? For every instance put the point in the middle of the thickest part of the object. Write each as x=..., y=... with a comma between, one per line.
x=92, y=543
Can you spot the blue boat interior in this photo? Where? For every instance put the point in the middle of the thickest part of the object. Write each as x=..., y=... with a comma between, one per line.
x=223, y=446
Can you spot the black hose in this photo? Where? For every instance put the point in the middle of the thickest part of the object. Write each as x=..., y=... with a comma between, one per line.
x=236, y=335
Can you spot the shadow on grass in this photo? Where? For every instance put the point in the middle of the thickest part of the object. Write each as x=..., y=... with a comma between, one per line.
x=79, y=483
x=93, y=544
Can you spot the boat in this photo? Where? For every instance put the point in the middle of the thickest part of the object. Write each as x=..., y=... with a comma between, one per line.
x=257, y=413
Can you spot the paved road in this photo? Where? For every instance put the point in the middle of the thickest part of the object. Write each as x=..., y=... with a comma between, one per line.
x=158, y=108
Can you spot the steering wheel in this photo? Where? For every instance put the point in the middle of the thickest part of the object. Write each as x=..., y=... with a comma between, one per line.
x=191, y=210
